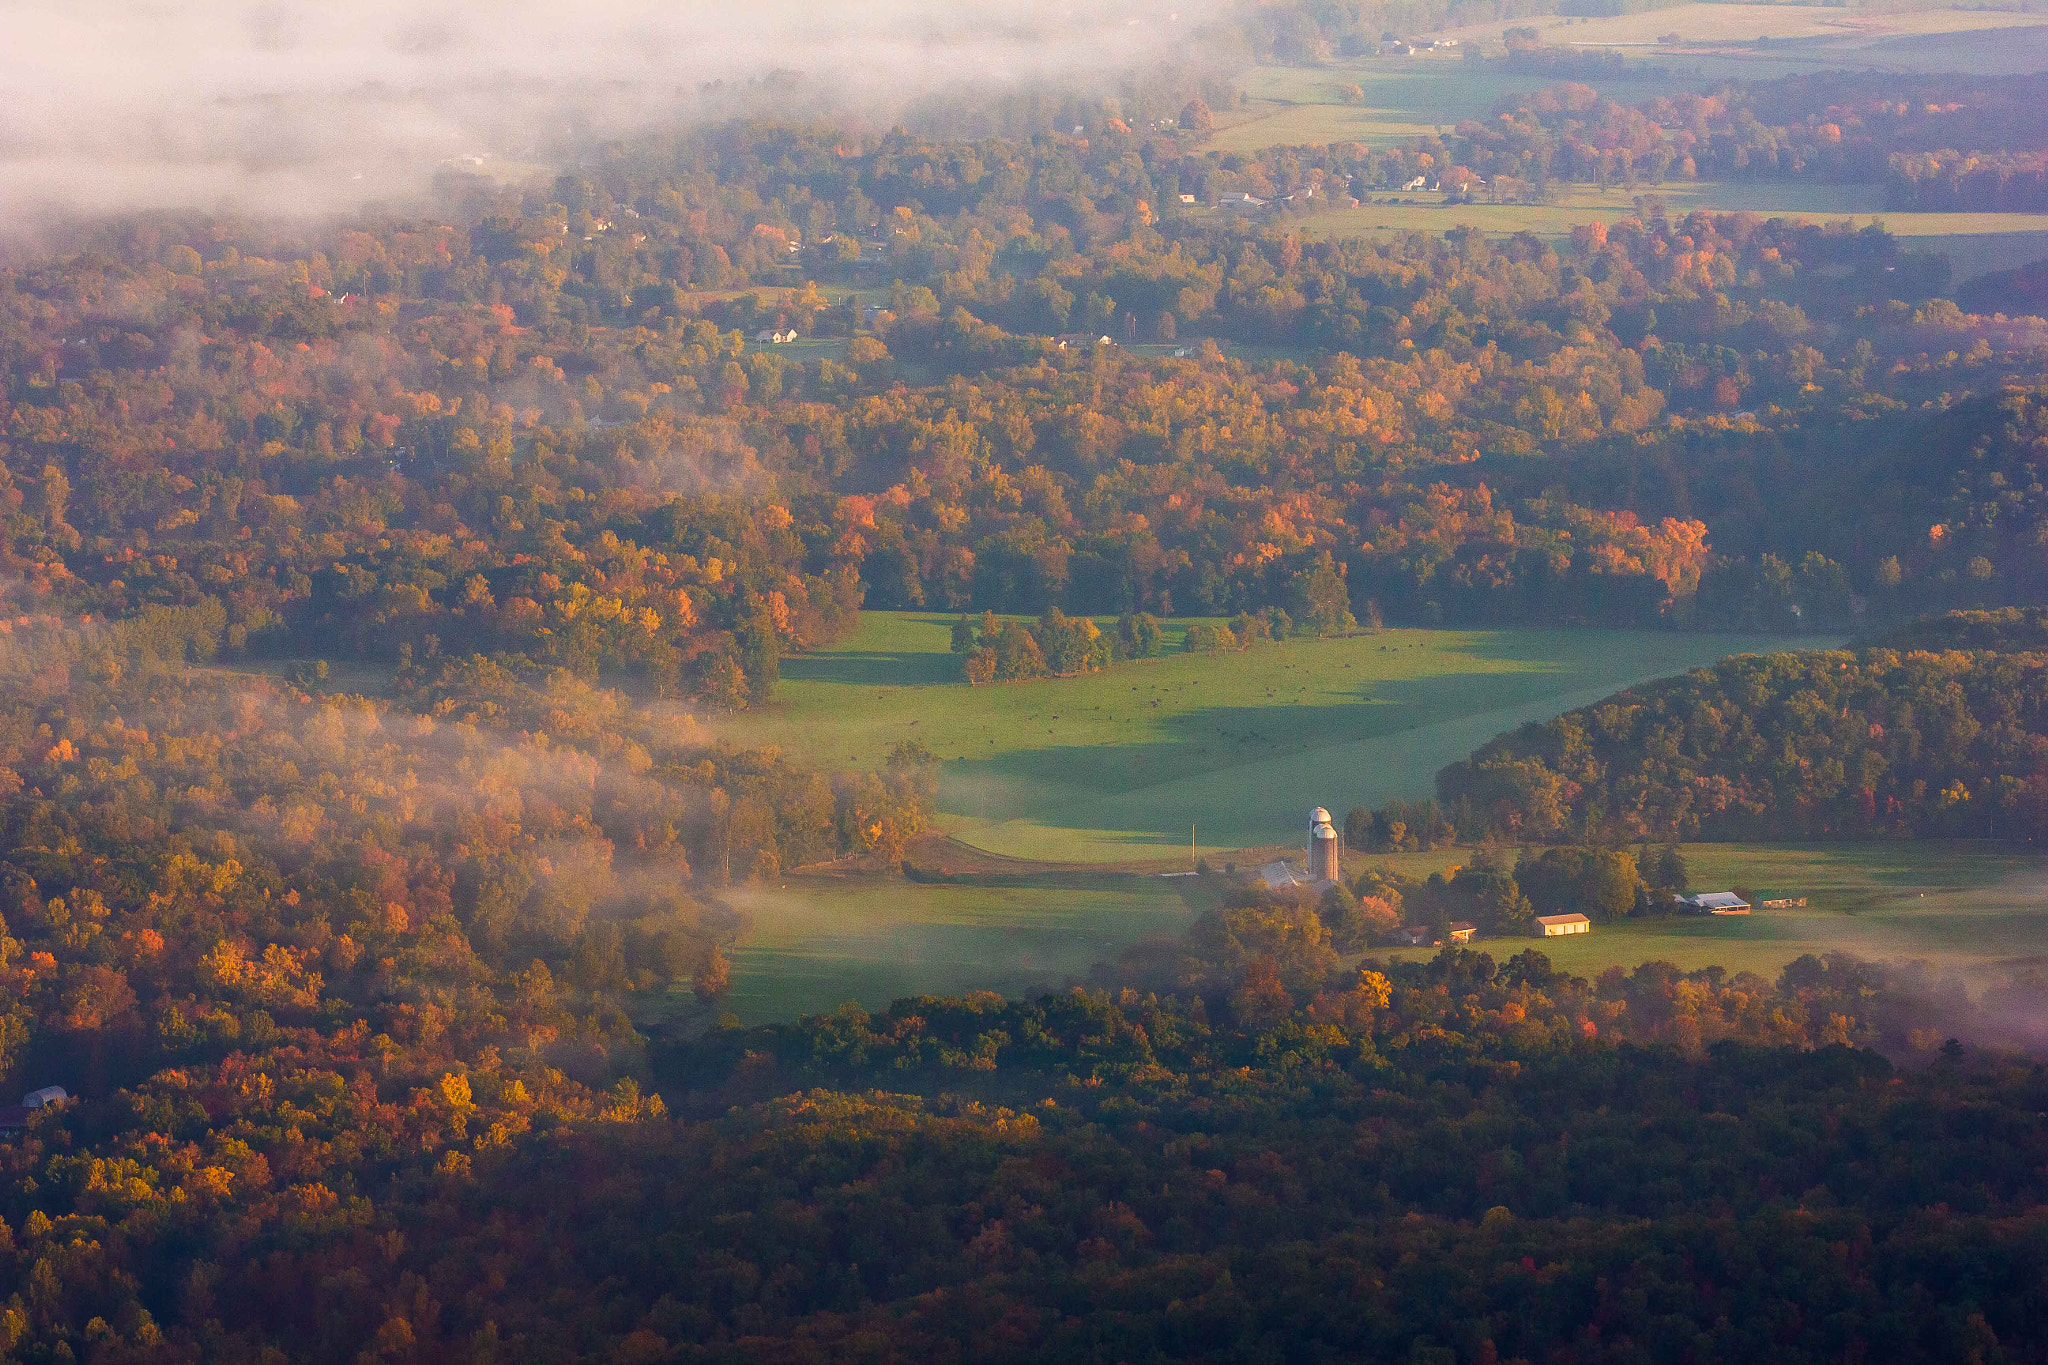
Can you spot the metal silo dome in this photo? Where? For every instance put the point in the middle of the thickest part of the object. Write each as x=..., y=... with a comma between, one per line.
x=1319, y=816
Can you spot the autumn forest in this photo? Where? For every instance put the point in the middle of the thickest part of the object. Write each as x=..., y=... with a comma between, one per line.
x=379, y=590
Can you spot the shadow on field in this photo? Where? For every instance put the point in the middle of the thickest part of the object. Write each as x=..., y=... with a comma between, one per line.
x=874, y=668
x=1037, y=782
x=1196, y=893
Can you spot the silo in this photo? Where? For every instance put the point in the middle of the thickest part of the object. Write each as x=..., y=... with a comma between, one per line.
x=1322, y=847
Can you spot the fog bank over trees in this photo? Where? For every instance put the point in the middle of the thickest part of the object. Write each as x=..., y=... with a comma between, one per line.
x=307, y=108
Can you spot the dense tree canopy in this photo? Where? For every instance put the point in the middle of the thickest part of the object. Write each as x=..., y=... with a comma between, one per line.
x=540, y=427
x=362, y=849
x=1876, y=743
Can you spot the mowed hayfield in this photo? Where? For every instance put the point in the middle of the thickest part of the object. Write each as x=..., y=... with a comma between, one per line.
x=1116, y=766
x=812, y=944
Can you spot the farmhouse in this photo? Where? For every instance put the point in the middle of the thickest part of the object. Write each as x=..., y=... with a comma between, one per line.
x=1461, y=931
x=1556, y=926
x=1715, y=903
x=1415, y=935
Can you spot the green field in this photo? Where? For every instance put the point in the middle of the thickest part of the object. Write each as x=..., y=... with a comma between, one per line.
x=1975, y=242
x=1407, y=97
x=1957, y=904
x=1953, y=39
x=812, y=944
x=1115, y=766
x=1432, y=91
x=1589, y=203
x=1295, y=106
x=1110, y=768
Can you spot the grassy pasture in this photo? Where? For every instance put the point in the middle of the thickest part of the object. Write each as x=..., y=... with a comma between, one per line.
x=1958, y=904
x=1113, y=767
x=815, y=943
x=1407, y=97
x=2003, y=51
x=1858, y=204
x=1293, y=105
x=1974, y=242
x=1834, y=31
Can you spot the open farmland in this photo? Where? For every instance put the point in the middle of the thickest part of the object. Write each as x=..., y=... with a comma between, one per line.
x=1115, y=766
x=1418, y=95
x=1974, y=242
x=814, y=943
x=1293, y=106
x=1822, y=34
x=1958, y=905
x=1429, y=93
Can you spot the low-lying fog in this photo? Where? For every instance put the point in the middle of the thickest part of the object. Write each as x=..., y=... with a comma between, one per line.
x=315, y=105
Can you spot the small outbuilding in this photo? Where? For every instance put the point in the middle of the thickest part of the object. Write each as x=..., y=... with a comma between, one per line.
x=1557, y=926
x=1279, y=875
x=14, y=1117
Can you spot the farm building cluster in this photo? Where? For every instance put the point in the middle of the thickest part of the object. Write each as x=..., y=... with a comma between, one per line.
x=1322, y=867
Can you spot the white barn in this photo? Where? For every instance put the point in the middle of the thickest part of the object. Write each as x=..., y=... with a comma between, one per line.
x=1556, y=926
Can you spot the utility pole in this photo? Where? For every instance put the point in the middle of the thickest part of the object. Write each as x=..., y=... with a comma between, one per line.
x=1194, y=863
